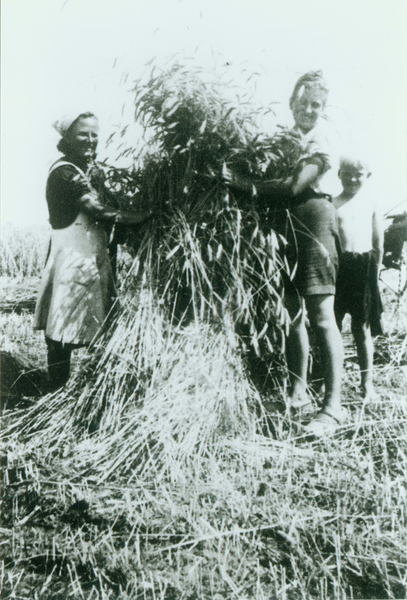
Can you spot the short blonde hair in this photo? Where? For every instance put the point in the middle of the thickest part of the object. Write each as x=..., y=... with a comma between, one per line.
x=354, y=159
x=310, y=80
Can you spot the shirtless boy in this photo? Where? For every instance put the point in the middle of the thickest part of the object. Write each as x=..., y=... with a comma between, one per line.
x=357, y=291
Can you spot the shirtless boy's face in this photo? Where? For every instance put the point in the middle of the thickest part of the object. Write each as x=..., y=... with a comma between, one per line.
x=353, y=177
x=307, y=107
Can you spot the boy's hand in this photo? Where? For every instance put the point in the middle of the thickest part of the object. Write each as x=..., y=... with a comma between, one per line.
x=236, y=181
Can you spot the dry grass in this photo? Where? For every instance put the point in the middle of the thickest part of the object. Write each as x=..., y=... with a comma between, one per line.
x=187, y=489
x=23, y=251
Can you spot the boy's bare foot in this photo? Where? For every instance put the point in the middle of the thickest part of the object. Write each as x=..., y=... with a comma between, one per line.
x=299, y=406
x=325, y=423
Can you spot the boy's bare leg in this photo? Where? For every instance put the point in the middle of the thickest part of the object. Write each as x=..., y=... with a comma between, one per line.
x=364, y=345
x=297, y=352
x=322, y=320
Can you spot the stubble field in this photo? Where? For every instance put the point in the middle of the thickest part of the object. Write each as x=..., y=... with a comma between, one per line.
x=186, y=488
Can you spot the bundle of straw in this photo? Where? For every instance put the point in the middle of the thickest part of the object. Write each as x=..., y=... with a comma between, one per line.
x=205, y=259
x=206, y=251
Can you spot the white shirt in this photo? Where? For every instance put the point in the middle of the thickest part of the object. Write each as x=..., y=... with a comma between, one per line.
x=324, y=139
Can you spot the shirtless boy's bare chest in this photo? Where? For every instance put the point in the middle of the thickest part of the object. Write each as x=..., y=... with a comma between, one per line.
x=355, y=225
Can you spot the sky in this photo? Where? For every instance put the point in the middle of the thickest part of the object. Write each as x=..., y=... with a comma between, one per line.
x=63, y=55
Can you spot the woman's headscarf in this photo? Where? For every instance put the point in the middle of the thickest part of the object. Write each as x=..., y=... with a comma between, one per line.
x=65, y=123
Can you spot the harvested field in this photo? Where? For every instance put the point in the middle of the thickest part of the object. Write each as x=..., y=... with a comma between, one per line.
x=196, y=492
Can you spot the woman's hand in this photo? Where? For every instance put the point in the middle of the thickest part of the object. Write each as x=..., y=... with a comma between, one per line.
x=132, y=218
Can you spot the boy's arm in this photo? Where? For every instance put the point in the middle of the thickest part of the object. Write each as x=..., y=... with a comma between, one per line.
x=268, y=187
x=305, y=176
x=377, y=236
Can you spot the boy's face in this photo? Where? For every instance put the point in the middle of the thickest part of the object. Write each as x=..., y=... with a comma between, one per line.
x=307, y=107
x=353, y=176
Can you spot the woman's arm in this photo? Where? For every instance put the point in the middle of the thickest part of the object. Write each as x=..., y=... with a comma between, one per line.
x=90, y=205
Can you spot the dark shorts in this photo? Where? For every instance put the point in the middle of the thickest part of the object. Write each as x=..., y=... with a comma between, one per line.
x=357, y=291
x=311, y=231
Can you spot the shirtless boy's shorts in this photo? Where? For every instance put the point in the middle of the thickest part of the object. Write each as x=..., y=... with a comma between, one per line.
x=311, y=231
x=357, y=290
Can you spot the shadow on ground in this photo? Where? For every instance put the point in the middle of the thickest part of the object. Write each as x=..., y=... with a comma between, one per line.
x=20, y=382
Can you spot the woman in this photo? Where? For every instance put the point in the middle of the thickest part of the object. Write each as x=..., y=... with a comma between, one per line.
x=77, y=290
x=308, y=221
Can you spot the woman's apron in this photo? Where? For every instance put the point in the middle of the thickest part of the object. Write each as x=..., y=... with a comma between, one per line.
x=77, y=289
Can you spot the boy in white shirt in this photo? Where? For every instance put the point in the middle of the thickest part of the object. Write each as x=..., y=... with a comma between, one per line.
x=307, y=219
x=361, y=236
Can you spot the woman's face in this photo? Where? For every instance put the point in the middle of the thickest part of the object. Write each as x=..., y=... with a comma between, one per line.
x=307, y=107
x=83, y=138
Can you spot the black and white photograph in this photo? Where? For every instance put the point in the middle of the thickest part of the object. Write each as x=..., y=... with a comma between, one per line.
x=203, y=300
